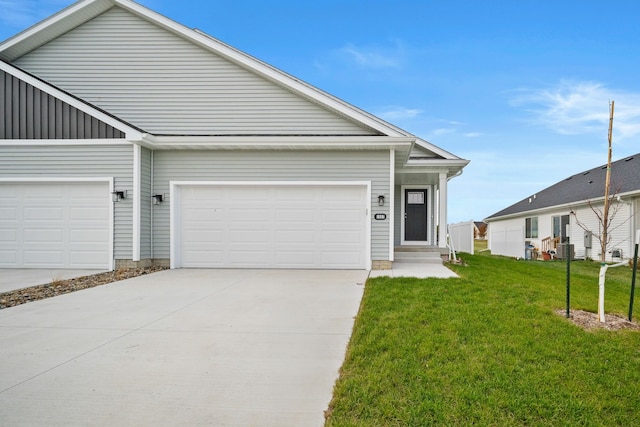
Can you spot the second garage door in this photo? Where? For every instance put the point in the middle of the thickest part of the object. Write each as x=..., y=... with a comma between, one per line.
x=55, y=225
x=271, y=226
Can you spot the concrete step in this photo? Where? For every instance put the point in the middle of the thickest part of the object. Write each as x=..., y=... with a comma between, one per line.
x=417, y=257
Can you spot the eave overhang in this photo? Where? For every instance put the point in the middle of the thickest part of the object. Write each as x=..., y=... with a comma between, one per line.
x=566, y=206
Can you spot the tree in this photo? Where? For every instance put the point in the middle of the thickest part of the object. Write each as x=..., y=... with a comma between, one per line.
x=605, y=217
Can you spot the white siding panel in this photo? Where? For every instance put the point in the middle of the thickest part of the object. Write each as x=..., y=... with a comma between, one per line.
x=80, y=161
x=273, y=166
x=620, y=231
x=167, y=85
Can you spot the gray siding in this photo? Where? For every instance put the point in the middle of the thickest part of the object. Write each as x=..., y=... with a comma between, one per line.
x=72, y=161
x=273, y=166
x=145, y=204
x=167, y=85
x=29, y=113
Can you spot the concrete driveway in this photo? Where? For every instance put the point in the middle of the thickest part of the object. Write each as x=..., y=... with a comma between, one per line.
x=180, y=347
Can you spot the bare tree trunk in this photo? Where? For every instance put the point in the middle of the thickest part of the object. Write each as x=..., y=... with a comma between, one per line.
x=605, y=225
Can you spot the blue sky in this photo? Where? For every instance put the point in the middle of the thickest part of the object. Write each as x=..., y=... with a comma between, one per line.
x=520, y=88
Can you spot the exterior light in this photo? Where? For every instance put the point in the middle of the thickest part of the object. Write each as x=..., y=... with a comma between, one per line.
x=157, y=199
x=118, y=196
x=381, y=200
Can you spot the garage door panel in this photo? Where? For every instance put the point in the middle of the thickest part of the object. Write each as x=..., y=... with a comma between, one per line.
x=89, y=214
x=246, y=194
x=8, y=214
x=273, y=226
x=42, y=212
x=34, y=258
x=8, y=236
x=249, y=236
x=294, y=236
x=256, y=258
x=43, y=235
x=55, y=225
x=87, y=235
x=292, y=215
x=8, y=258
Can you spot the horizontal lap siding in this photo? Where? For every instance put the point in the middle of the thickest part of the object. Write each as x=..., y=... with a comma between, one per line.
x=273, y=166
x=167, y=85
x=80, y=161
x=619, y=230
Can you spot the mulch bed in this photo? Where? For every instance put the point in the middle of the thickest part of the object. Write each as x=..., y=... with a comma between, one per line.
x=589, y=321
x=59, y=287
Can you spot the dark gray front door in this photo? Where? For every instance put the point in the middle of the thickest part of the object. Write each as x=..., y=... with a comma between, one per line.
x=415, y=215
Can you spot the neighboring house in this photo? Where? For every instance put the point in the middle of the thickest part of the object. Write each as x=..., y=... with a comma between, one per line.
x=480, y=230
x=541, y=219
x=129, y=139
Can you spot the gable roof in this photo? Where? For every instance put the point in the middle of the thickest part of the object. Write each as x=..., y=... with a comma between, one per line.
x=581, y=188
x=85, y=10
x=30, y=99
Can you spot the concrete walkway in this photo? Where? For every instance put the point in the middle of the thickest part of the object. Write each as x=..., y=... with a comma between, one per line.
x=180, y=347
x=419, y=270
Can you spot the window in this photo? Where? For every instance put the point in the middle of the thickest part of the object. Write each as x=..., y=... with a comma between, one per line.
x=560, y=227
x=531, y=227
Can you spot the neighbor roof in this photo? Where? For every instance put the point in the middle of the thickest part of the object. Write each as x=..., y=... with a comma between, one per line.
x=582, y=187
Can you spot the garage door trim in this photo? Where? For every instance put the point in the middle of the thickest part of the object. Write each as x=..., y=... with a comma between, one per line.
x=174, y=208
x=62, y=180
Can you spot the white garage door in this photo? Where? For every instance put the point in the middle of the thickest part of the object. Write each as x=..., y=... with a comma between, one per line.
x=272, y=226
x=54, y=225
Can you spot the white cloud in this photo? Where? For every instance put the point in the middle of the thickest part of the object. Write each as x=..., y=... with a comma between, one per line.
x=575, y=108
x=398, y=113
x=473, y=134
x=374, y=56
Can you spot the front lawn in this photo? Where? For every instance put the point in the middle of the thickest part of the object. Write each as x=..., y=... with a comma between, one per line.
x=489, y=349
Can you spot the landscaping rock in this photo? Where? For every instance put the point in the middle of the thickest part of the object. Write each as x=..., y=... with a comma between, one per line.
x=59, y=287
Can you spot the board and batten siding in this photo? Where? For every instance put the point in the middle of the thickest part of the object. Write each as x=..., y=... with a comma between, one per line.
x=29, y=113
x=272, y=166
x=35, y=161
x=165, y=84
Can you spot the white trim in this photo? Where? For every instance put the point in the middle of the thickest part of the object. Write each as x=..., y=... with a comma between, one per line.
x=429, y=189
x=392, y=203
x=135, y=254
x=174, y=202
x=74, y=102
x=54, y=142
x=108, y=180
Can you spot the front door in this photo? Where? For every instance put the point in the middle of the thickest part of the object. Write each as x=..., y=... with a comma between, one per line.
x=415, y=215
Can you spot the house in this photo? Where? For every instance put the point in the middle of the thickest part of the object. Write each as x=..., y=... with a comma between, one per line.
x=479, y=230
x=566, y=209
x=127, y=139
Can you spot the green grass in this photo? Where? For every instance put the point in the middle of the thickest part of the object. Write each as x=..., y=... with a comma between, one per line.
x=488, y=349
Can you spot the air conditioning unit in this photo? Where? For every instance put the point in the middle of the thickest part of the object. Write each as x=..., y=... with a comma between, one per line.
x=561, y=251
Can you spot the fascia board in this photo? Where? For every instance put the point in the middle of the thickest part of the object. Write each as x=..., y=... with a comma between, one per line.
x=277, y=142
x=130, y=133
x=460, y=163
x=52, y=27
